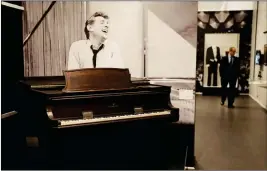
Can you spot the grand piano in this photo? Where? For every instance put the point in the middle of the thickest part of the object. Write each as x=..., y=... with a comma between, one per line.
x=97, y=119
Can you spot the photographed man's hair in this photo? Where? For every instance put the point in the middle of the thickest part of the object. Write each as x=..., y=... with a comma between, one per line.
x=231, y=48
x=91, y=21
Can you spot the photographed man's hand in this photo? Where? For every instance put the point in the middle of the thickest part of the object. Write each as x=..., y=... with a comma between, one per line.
x=208, y=65
x=211, y=60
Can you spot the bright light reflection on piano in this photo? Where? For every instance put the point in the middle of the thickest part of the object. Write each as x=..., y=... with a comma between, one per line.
x=115, y=118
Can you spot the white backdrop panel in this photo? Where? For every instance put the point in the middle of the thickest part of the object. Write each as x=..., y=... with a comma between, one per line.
x=168, y=53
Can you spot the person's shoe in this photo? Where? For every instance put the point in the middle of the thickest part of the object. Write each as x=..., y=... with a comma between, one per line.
x=231, y=106
x=222, y=103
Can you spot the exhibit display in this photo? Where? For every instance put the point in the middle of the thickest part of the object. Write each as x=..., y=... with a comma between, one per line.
x=125, y=48
x=89, y=71
x=217, y=32
x=258, y=57
x=214, y=51
x=182, y=96
x=261, y=62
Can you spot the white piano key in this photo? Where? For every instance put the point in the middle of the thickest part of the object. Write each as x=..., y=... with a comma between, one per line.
x=113, y=118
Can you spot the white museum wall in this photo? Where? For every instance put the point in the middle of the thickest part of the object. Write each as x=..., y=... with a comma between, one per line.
x=261, y=38
x=171, y=39
x=257, y=90
x=225, y=5
x=171, y=44
x=253, y=42
x=171, y=51
x=126, y=29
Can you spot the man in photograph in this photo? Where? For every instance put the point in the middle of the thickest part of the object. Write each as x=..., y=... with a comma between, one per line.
x=229, y=72
x=96, y=51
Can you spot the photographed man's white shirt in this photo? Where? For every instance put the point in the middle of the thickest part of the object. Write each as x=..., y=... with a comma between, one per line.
x=81, y=56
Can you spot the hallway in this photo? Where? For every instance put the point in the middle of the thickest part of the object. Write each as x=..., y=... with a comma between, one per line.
x=230, y=138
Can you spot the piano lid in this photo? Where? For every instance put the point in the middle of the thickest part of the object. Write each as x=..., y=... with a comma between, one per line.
x=54, y=85
x=51, y=82
x=44, y=82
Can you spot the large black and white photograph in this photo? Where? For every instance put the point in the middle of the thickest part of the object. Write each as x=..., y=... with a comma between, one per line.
x=77, y=35
x=105, y=35
x=133, y=85
x=129, y=42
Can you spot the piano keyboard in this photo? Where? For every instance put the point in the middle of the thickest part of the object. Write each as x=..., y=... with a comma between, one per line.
x=115, y=118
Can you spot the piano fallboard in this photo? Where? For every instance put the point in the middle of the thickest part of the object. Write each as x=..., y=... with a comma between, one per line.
x=106, y=105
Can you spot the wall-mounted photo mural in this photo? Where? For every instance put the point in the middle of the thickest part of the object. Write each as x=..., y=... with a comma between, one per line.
x=66, y=37
x=61, y=40
x=217, y=32
x=151, y=39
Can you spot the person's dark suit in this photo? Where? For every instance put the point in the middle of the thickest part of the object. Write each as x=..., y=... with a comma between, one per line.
x=213, y=64
x=229, y=72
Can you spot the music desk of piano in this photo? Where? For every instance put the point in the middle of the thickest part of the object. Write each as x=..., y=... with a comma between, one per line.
x=122, y=126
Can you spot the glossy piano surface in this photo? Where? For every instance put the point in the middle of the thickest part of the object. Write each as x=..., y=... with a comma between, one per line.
x=123, y=128
x=60, y=105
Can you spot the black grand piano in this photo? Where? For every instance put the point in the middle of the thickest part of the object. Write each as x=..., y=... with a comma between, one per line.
x=97, y=119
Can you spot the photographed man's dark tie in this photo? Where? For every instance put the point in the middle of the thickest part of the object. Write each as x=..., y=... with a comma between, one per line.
x=95, y=53
x=232, y=60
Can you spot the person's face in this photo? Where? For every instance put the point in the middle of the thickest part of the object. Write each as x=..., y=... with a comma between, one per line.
x=99, y=27
x=232, y=52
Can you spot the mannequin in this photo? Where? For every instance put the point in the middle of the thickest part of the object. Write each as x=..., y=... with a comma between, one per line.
x=214, y=49
x=212, y=60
